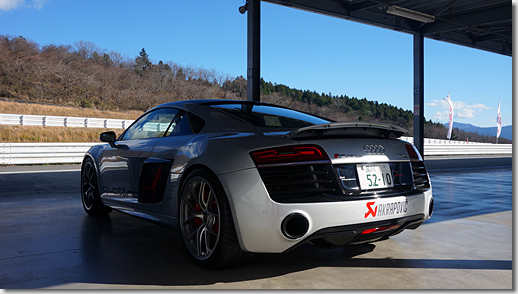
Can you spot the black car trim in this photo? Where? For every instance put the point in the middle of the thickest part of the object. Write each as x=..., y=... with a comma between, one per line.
x=355, y=231
x=310, y=182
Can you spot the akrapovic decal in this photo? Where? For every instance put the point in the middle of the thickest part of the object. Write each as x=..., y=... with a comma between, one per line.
x=371, y=211
x=385, y=209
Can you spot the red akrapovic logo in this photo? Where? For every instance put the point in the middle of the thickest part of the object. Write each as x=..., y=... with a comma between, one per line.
x=384, y=209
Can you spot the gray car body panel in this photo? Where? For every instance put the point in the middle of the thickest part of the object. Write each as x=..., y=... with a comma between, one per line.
x=223, y=147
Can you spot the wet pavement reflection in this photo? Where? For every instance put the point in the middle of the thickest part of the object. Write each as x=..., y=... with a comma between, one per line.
x=464, y=193
x=47, y=240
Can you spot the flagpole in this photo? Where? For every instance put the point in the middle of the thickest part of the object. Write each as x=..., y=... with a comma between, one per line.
x=450, y=116
x=498, y=121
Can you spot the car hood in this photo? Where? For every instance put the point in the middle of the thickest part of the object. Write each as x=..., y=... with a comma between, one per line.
x=349, y=129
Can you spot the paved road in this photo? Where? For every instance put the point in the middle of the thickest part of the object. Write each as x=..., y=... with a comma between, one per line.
x=48, y=241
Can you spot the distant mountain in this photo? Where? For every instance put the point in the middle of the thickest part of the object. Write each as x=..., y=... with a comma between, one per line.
x=507, y=131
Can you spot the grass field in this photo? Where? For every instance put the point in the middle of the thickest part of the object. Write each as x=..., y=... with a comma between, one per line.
x=33, y=134
x=55, y=110
x=30, y=134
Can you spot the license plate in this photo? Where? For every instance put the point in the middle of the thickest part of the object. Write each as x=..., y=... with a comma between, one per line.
x=374, y=176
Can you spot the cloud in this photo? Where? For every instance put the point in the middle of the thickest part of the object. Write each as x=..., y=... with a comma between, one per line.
x=465, y=113
x=10, y=4
x=479, y=106
x=441, y=115
x=460, y=113
x=13, y=4
x=434, y=103
x=460, y=109
x=38, y=4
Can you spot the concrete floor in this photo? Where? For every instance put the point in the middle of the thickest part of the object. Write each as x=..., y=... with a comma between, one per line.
x=48, y=241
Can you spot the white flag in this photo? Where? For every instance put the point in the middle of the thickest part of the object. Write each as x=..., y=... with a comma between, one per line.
x=450, y=118
x=498, y=121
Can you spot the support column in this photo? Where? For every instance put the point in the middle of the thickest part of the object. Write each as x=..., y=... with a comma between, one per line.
x=253, y=74
x=419, y=92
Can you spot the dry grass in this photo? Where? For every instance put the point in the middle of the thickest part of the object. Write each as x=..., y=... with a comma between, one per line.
x=34, y=134
x=53, y=110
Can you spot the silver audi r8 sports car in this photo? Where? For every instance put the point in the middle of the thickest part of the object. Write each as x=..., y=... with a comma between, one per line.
x=241, y=177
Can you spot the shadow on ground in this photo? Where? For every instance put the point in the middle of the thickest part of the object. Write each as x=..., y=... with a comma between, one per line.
x=157, y=257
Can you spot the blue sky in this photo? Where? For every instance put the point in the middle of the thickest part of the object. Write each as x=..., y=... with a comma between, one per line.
x=300, y=49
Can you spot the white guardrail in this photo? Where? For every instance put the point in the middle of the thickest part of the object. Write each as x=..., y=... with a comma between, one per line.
x=450, y=147
x=42, y=153
x=63, y=121
x=46, y=153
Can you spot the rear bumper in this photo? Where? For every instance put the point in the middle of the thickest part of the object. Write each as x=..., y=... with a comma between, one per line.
x=363, y=232
x=259, y=221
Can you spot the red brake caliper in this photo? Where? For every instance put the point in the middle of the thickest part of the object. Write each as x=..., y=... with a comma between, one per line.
x=197, y=221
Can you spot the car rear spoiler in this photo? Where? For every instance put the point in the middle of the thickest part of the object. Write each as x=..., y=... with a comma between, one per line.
x=349, y=129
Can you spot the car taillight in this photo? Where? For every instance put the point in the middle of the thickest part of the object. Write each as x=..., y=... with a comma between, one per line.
x=290, y=155
x=413, y=153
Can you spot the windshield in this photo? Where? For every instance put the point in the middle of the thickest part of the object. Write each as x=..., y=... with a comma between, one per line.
x=270, y=118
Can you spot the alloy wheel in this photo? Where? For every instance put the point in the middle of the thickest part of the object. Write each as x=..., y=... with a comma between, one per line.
x=88, y=185
x=200, y=218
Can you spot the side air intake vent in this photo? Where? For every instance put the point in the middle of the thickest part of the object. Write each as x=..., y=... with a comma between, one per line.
x=421, y=181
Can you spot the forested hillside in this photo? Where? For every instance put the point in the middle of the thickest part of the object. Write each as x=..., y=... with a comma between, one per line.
x=86, y=76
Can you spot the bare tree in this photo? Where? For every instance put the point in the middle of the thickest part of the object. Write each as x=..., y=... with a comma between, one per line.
x=85, y=49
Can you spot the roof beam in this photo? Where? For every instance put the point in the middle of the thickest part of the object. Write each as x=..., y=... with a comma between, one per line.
x=485, y=25
x=364, y=5
x=489, y=37
x=340, y=10
x=504, y=48
x=478, y=18
x=358, y=12
x=445, y=7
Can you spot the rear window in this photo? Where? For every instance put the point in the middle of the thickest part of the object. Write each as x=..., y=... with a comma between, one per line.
x=270, y=117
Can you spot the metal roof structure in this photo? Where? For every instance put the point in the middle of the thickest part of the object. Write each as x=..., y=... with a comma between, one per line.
x=480, y=24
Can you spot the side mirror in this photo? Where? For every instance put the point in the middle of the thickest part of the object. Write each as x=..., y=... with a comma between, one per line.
x=108, y=137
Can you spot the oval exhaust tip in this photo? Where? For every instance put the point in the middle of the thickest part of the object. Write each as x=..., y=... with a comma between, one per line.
x=294, y=226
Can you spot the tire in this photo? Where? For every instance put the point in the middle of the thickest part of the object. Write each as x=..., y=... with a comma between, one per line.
x=206, y=223
x=90, y=191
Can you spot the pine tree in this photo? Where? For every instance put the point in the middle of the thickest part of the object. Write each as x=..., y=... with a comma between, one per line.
x=142, y=62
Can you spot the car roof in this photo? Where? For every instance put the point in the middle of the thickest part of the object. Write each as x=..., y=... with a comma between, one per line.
x=183, y=104
x=211, y=102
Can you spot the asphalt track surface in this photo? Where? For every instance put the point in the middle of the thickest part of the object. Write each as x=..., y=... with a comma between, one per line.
x=47, y=241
